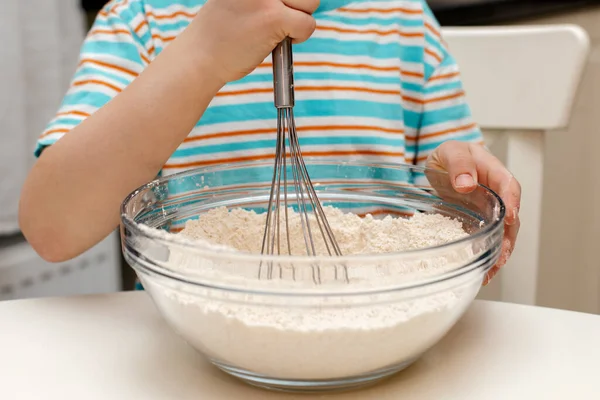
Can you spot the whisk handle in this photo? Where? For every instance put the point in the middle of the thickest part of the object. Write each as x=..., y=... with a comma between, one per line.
x=283, y=74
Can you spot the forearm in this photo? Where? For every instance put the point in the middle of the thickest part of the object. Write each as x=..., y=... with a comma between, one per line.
x=71, y=198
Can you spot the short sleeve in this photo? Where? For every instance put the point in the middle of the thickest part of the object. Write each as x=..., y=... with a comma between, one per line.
x=112, y=56
x=445, y=113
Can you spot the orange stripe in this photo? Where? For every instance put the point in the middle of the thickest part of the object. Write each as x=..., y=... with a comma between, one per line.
x=432, y=29
x=270, y=156
x=172, y=15
x=144, y=58
x=74, y=112
x=370, y=31
x=163, y=38
x=442, y=133
x=433, y=100
x=379, y=10
x=434, y=55
x=299, y=129
x=139, y=26
x=110, y=32
x=343, y=88
x=413, y=74
x=50, y=132
x=108, y=65
x=335, y=65
x=111, y=7
x=444, y=76
x=308, y=89
x=97, y=82
x=353, y=66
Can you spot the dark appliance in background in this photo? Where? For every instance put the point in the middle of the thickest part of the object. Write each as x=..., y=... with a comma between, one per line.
x=485, y=12
x=91, y=8
x=454, y=12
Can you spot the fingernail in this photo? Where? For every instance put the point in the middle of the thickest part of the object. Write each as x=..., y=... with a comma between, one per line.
x=512, y=216
x=464, y=181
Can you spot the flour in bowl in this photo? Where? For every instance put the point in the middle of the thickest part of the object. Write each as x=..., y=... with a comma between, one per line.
x=323, y=336
x=243, y=230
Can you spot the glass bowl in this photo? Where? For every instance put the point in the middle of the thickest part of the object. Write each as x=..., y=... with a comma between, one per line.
x=291, y=331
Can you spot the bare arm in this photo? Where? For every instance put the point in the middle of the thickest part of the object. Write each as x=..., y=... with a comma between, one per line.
x=71, y=198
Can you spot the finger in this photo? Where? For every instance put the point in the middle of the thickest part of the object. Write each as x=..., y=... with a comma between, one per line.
x=490, y=275
x=494, y=175
x=299, y=25
x=307, y=6
x=456, y=158
x=508, y=246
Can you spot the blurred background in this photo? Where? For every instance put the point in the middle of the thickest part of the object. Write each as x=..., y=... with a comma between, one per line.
x=36, y=65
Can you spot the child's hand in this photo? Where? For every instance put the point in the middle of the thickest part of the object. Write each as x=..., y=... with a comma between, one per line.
x=469, y=164
x=235, y=36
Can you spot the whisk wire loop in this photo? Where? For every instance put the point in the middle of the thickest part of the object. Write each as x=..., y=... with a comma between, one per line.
x=288, y=154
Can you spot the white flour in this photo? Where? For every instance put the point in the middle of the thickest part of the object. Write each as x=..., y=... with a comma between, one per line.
x=321, y=337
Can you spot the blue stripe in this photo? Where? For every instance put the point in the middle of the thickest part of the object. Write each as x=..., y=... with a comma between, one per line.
x=438, y=116
x=67, y=121
x=304, y=109
x=267, y=76
x=93, y=99
x=171, y=25
x=380, y=22
x=125, y=50
x=383, y=51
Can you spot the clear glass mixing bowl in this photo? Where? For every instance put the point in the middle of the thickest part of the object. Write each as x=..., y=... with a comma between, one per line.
x=291, y=332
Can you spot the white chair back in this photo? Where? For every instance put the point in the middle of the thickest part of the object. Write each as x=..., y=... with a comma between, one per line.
x=521, y=82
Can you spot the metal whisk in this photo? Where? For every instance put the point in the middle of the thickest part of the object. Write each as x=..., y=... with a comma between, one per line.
x=288, y=152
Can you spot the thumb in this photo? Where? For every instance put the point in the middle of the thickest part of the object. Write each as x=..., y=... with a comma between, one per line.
x=456, y=159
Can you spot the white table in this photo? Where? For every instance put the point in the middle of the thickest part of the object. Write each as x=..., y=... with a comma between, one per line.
x=117, y=347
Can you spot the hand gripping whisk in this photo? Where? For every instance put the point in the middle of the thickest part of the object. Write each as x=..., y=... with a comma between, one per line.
x=289, y=161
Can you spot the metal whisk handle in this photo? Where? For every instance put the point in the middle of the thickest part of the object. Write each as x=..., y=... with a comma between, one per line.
x=283, y=74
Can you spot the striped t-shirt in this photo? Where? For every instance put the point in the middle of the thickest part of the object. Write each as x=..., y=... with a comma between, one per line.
x=374, y=80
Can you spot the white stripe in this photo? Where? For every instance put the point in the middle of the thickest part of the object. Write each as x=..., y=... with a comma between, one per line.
x=431, y=60
x=93, y=87
x=300, y=83
x=173, y=8
x=446, y=125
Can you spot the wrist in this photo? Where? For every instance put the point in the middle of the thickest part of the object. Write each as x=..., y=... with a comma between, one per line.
x=200, y=63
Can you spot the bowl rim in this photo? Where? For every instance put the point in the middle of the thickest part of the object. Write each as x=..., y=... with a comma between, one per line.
x=216, y=251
